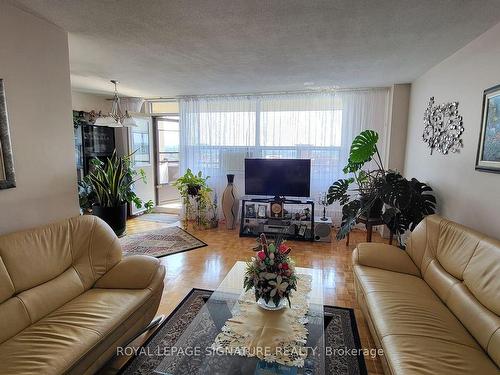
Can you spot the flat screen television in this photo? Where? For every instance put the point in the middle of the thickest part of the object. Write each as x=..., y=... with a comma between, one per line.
x=278, y=177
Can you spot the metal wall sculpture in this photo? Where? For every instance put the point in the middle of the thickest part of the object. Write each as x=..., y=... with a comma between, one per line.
x=443, y=127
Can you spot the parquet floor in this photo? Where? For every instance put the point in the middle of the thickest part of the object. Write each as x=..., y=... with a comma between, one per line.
x=206, y=267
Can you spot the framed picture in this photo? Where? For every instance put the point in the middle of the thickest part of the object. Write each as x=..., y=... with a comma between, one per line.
x=250, y=210
x=488, y=152
x=7, y=176
x=262, y=211
x=302, y=230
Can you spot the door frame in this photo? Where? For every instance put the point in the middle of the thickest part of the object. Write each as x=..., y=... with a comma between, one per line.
x=156, y=152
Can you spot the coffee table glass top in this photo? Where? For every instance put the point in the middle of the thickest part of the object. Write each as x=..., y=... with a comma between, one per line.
x=192, y=352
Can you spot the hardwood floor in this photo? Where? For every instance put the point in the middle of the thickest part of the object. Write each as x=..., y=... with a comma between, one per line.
x=206, y=267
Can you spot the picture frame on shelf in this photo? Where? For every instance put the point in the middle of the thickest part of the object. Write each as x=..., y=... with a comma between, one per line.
x=488, y=150
x=302, y=230
x=262, y=211
x=250, y=210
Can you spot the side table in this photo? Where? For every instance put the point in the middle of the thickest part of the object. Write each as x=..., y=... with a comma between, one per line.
x=370, y=223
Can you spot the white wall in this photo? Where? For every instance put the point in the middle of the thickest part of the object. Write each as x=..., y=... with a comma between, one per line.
x=82, y=101
x=399, y=102
x=465, y=195
x=35, y=68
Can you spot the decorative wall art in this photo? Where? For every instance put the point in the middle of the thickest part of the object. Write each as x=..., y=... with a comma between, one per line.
x=442, y=127
x=7, y=177
x=488, y=153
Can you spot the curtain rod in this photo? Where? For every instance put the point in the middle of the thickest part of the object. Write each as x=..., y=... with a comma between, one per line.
x=269, y=93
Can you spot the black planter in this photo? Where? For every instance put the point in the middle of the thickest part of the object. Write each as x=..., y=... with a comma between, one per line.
x=115, y=217
x=376, y=209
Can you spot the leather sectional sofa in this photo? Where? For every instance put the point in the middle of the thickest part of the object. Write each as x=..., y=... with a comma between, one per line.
x=434, y=308
x=68, y=299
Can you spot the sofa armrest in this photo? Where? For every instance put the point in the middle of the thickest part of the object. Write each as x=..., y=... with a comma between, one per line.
x=133, y=272
x=387, y=257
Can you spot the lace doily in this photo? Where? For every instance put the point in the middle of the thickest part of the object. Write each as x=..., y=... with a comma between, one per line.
x=273, y=336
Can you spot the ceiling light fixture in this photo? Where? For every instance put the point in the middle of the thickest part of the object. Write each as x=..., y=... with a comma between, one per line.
x=116, y=118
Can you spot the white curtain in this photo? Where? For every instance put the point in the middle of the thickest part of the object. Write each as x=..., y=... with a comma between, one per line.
x=218, y=133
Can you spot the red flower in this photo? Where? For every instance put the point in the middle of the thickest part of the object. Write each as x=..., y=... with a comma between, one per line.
x=261, y=255
x=285, y=266
x=283, y=248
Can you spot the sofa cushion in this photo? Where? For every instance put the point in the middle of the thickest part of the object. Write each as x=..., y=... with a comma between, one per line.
x=101, y=310
x=378, y=280
x=383, y=256
x=62, y=338
x=400, y=304
x=419, y=355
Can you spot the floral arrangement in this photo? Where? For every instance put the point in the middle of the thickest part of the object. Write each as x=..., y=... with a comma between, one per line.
x=271, y=273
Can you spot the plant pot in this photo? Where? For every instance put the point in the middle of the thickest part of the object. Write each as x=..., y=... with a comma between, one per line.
x=271, y=305
x=115, y=217
x=376, y=209
x=193, y=190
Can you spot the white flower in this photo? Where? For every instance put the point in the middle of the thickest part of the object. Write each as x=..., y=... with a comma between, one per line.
x=267, y=275
x=279, y=286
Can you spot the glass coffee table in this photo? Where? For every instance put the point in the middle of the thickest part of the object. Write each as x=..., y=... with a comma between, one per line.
x=192, y=353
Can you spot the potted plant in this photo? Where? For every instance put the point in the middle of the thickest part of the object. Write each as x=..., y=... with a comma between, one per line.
x=107, y=189
x=367, y=191
x=195, y=194
x=271, y=273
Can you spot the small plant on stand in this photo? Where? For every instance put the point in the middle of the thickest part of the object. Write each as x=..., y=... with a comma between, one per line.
x=195, y=195
x=271, y=273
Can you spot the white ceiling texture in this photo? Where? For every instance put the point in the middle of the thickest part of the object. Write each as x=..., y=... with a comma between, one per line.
x=168, y=48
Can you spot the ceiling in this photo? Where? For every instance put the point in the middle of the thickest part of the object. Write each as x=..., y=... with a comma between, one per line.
x=167, y=48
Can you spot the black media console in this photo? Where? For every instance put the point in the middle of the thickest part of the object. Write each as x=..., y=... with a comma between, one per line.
x=296, y=222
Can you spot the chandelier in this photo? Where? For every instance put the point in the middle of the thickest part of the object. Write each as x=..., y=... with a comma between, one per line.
x=116, y=118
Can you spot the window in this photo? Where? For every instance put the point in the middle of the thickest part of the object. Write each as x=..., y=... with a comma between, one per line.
x=168, y=138
x=301, y=128
x=227, y=129
x=219, y=132
x=162, y=107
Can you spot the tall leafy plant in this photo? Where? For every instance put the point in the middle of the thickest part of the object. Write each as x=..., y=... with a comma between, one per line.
x=109, y=183
x=406, y=201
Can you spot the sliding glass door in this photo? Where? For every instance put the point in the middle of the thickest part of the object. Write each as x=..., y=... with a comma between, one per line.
x=167, y=159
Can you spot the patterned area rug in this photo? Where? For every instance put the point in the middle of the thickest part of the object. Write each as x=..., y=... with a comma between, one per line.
x=160, y=242
x=341, y=333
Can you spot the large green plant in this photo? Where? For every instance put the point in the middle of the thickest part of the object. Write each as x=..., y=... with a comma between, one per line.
x=406, y=201
x=109, y=183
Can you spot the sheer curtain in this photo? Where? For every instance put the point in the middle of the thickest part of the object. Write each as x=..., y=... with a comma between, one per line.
x=218, y=133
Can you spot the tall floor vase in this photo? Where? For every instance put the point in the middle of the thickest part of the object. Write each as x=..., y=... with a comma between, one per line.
x=230, y=203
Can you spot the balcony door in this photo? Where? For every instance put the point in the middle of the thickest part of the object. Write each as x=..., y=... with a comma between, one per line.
x=167, y=162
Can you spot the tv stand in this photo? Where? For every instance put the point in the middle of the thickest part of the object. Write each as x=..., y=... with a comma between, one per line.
x=297, y=222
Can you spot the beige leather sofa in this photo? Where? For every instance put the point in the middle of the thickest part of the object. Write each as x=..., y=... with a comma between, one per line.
x=68, y=299
x=433, y=309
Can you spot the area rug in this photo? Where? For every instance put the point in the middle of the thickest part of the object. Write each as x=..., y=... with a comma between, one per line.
x=341, y=333
x=159, y=218
x=160, y=242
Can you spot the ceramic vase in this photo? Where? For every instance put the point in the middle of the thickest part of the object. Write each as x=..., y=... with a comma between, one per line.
x=230, y=203
x=271, y=305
